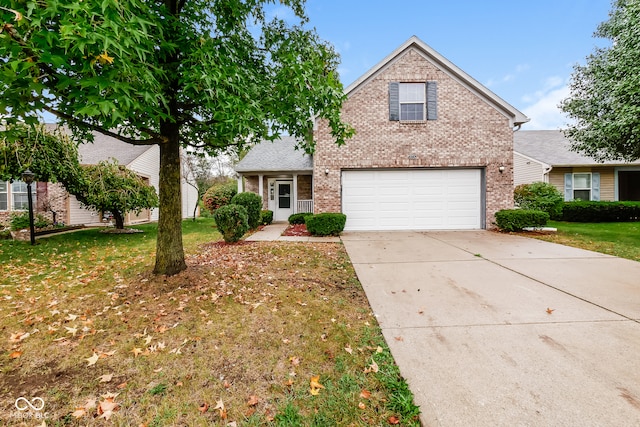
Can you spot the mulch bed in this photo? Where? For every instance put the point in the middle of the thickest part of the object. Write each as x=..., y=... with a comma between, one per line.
x=296, y=230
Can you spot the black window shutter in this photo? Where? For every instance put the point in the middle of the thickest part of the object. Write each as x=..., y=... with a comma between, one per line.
x=432, y=100
x=394, y=101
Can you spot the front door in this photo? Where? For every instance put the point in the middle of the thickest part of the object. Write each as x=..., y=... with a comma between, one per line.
x=284, y=200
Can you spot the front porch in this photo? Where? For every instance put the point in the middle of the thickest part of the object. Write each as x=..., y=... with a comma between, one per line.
x=282, y=193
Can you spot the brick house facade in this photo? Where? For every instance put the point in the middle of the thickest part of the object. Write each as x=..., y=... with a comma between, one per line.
x=459, y=126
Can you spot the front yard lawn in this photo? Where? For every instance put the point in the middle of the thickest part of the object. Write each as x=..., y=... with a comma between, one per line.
x=621, y=239
x=259, y=333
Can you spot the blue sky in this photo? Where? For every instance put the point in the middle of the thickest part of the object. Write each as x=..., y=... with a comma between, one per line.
x=524, y=51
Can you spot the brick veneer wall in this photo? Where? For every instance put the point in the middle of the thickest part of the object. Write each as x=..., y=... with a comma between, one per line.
x=48, y=196
x=468, y=133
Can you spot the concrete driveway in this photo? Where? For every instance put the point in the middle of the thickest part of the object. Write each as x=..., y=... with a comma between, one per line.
x=498, y=330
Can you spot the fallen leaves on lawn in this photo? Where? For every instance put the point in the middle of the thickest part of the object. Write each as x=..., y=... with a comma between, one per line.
x=107, y=406
x=315, y=385
x=19, y=336
x=204, y=407
x=393, y=420
x=373, y=367
x=105, y=378
x=222, y=410
x=93, y=359
x=365, y=394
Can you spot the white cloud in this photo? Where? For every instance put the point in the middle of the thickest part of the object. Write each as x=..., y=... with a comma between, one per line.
x=509, y=76
x=544, y=112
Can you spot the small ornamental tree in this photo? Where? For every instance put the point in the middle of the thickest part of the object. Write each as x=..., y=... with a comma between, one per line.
x=50, y=155
x=219, y=195
x=114, y=188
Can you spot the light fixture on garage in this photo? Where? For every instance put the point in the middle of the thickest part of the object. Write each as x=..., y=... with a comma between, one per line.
x=326, y=171
x=501, y=169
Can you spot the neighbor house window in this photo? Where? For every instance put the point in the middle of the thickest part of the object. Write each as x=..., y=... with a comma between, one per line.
x=4, y=195
x=582, y=186
x=19, y=197
x=412, y=101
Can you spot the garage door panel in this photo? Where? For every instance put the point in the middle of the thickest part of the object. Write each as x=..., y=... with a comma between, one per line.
x=416, y=199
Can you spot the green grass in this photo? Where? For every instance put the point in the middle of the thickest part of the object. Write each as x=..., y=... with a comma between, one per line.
x=620, y=239
x=246, y=326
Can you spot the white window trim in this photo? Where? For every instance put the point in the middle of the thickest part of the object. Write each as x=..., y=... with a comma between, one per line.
x=590, y=188
x=424, y=102
x=6, y=194
x=10, y=200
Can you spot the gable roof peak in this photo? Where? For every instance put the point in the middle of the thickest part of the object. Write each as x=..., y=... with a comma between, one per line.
x=516, y=117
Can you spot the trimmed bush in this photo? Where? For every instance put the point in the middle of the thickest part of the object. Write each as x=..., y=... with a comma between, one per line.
x=580, y=211
x=517, y=219
x=253, y=204
x=219, y=195
x=326, y=224
x=232, y=222
x=299, y=218
x=266, y=217
x=539, y=196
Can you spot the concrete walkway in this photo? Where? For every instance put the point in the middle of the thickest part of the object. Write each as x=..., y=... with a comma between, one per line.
x=498, y=330
x=273, y=232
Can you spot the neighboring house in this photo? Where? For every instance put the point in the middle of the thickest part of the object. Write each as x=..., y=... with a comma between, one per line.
x=545, y=155
x=433, y=149
x=49, y=198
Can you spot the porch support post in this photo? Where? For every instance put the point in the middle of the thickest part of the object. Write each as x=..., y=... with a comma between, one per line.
x=260, y=183
x=240, y=183
x=295, y=193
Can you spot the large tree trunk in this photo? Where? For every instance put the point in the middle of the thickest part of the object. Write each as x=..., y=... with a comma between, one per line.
x=119, y=219
x=169, y=252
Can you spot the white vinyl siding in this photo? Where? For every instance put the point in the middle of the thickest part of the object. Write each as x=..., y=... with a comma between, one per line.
x=527, y=171
x=412, y=199
x=147, y=165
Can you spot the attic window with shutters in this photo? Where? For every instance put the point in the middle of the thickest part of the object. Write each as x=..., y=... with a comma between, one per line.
x=412, y=102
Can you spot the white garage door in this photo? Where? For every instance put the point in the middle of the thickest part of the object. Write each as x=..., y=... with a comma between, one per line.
x=412, y=199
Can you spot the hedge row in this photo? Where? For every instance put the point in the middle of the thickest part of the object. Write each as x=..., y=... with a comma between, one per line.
x=600, y=211
x=517, y=219
x=326, y=224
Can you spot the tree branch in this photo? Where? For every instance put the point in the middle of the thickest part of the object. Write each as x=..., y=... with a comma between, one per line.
x=156, y=138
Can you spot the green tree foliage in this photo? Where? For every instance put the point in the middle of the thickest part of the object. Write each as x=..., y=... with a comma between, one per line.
x=540, y=196
x=604, y=98
x=114, y=188
x=208, y=74
x=53, y=157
